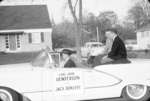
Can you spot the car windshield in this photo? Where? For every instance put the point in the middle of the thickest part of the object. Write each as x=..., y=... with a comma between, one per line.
x=40, y=59
x=93, y=45
x=96, y=45
x=46, y=59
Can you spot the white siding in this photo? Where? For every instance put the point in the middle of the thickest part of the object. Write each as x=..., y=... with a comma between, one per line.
x=25, y=46
x=2, y=43
x=143, y=39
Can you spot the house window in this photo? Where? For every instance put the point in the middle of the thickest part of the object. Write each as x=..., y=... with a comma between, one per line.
x=36, y=37
x=144, y=34
x=147, y=34
x=7, y=41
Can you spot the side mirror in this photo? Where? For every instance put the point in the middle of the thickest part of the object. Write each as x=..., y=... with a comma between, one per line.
x=148, y=1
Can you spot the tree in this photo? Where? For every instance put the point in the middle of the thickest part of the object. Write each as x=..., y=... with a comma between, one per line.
x=107, y=19
x=126, y=31
x=62, y=35
x=90, y=24
x=139, y=13
x=110, y=16
x=97, y=24
x=78, y=23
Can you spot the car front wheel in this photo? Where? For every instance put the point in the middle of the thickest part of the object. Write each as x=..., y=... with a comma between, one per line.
x=136, y=92
x=7, y=94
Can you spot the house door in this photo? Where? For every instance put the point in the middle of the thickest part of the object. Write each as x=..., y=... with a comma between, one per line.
x=12, y=42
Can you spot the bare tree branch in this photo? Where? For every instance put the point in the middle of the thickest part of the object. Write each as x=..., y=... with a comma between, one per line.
x=75, y=6
x=72, y=11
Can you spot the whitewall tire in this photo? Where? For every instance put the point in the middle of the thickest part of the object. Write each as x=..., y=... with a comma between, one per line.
x=136, y=92
x=7, y=94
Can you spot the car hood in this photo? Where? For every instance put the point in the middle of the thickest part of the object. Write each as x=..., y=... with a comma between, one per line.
x=20, y=77
x=15, y=67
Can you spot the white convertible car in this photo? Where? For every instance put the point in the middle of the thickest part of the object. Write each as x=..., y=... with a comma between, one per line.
x=42, y=80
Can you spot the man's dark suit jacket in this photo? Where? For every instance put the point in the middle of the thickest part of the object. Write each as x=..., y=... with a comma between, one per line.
x=70, y=64
x=118, y=50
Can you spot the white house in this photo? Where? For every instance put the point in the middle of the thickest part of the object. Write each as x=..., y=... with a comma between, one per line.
x=143, y=37
x=24, y=28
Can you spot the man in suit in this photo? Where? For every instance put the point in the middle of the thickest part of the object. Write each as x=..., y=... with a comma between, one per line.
x=67, y=61
x=118, y=53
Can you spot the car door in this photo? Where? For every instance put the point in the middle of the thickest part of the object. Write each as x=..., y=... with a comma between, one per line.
x=62, y=84
x=47, y=84
x=98, y=84
x=33, y=81
x=96, y=79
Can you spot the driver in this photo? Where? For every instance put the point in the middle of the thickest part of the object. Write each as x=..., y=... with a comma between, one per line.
x=66, y=58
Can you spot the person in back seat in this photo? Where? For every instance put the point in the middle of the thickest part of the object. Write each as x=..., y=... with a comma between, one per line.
x=118, y=53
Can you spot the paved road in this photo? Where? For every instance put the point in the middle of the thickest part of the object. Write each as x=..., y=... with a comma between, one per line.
x=114, y=99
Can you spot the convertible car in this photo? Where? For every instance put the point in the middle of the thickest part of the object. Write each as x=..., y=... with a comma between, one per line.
x=43, y=80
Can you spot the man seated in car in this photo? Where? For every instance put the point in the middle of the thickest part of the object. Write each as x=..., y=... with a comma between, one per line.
x=118, y=53
x=66, y=59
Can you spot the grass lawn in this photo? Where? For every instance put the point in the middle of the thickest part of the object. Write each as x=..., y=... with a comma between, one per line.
x=13, y=58
x=139, y=54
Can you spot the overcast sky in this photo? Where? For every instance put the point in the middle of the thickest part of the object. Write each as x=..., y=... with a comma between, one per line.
x=59, y=8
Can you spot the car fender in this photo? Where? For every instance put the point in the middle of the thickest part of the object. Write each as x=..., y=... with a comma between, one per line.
x=20, y=95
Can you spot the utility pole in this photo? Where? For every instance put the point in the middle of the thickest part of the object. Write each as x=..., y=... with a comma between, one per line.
x=80, y=21
x=97, y=31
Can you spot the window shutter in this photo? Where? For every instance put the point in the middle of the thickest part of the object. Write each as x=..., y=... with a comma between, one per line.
x=7, y=41
x=42, y=37
x=30, y=38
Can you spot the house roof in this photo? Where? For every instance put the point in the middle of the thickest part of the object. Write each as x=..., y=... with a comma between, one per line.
x=24, y=17
x=144, y=28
